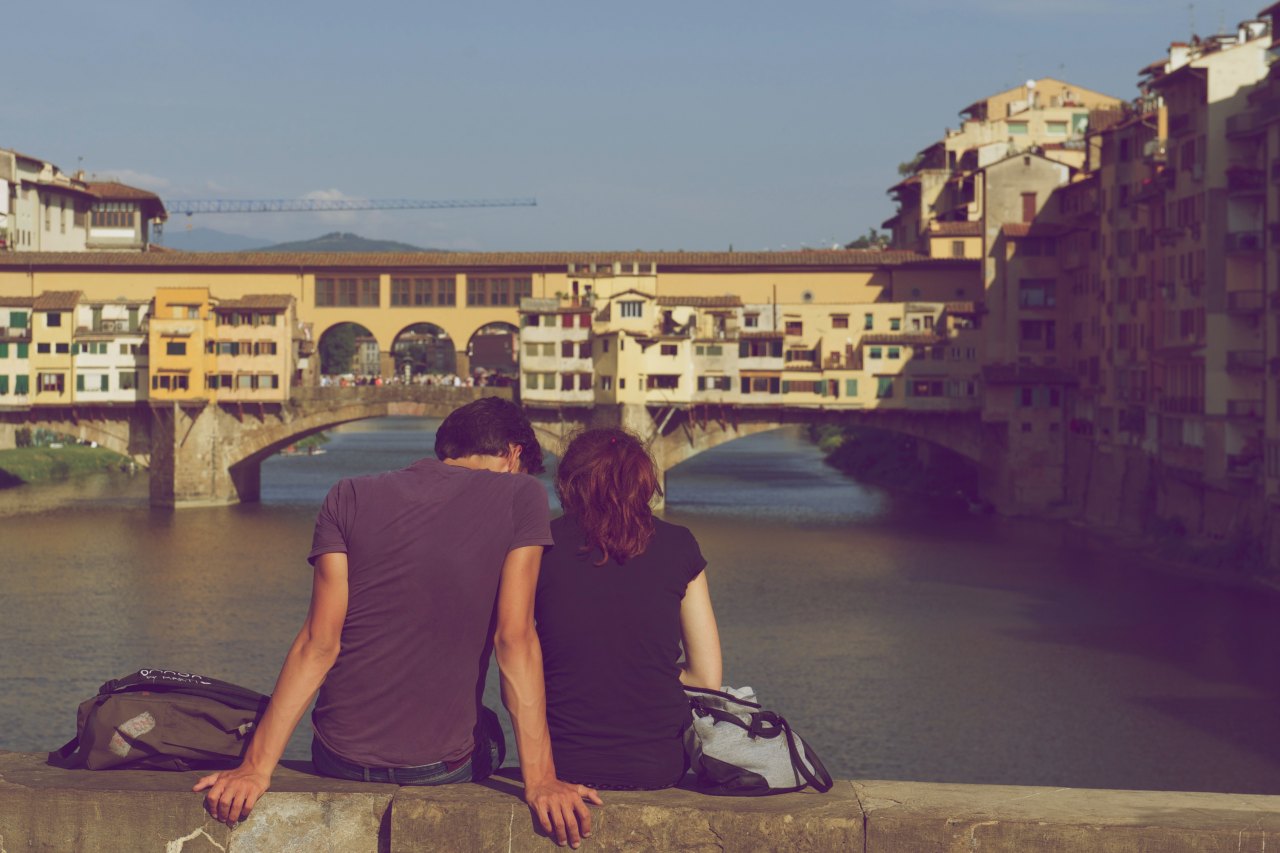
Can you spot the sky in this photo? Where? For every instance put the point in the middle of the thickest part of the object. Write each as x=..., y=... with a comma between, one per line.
x=695, y=125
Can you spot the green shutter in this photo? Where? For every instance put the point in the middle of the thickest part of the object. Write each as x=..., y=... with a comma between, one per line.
x=4, y=350
x=75, y=349
x=786, y=386
x=820, y=388
x=22, y=350
x=79, y=381
x=851, y=387
x=17, y=319
x=21, y=384
x=4, y=384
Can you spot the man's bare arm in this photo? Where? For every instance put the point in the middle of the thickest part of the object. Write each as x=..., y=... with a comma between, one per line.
x=232, y=794
x=559, y=807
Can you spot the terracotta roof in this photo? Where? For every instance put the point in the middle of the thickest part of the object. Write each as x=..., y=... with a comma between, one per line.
x=539, y=261
x=701, y=301
x=759, y=336
x=904, y=339
x=16, y=301
x=57, y=300
x=116, y=191
x=256, y=302
x=957, y=229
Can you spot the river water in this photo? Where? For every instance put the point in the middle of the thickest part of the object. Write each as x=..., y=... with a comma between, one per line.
x=903, y=642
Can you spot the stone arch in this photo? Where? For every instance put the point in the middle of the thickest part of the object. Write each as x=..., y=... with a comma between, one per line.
x=424, y=348
x=495, y=348
x=366, y=357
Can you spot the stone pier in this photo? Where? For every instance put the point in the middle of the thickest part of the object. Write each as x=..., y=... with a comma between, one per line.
x=66, y=811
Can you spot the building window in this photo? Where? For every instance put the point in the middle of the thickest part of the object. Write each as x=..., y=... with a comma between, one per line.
x=62, y=349
x=751, y=321
x=884, y=387
x=112, y=215
x=498, y=291
x=1056, y=128
x=957, y=248
x=128, y=380
x=875, y=352
x=794, y=327
x=43, y=349
x=421, y=292
x=663, y=381
x=347, y=293
x=604, y=345
x=841, y=322
x=1017, y=128
x=895, y=324
x=632, y=308
x=868, y=322
x=669, y=349
x=21, y=384
x=606, y=383
x=51, y=383
x=895, y=352
x=53, y=319
x=851, y=387
x=1037, y=293
x=175, y=348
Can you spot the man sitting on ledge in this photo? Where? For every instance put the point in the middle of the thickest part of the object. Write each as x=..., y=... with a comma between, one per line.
x=408, y=567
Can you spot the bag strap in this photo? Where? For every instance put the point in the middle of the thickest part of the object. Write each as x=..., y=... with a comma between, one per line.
x=764, y=724
x=819, y=778
x=166, y=681
x=694, y=692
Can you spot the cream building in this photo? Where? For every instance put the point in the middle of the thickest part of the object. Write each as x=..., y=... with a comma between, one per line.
x=15, y=351
x=110, y=351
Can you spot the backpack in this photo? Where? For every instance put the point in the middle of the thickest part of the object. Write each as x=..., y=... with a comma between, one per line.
x=159, y=719
x=737, y=748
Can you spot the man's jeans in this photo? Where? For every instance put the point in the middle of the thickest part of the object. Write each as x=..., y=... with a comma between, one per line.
x=491, y=749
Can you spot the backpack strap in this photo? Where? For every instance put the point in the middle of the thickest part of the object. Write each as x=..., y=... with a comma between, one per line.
x=819, y=778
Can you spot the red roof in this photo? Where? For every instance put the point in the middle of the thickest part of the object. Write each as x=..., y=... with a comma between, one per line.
x=57, y=300
x=256, y=302
x=116, y=191
x=957, y=229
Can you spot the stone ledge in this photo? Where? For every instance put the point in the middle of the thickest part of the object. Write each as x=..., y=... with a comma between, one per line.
x=46, y=809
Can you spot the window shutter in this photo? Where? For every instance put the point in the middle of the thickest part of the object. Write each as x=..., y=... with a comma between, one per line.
x=786, y=386
x=79, y=381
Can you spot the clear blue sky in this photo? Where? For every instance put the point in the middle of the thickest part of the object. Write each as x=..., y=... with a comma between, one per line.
x=657, y=125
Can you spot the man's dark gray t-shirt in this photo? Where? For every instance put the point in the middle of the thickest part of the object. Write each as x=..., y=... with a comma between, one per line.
x=425, y=547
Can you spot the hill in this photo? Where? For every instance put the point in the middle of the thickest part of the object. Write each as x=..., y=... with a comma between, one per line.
x=208, y=240
x=340, y=241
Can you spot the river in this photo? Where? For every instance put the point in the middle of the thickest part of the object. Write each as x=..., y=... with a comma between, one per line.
x=902, y=642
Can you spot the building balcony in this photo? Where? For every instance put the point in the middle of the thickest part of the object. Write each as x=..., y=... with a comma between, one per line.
x=1180, y=125
x=1245, y=361
x=1246, y=181
x=1248, y=410
x=1244, y=241
x=1244, y=466
x=1245, y=302
x=1183, y=456
x=1245, y=124
x=1156, y=151
x=1180, y=405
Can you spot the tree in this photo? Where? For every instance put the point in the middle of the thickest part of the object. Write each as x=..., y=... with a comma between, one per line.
x=910, y=167
x=873, y=239
x=337, y=349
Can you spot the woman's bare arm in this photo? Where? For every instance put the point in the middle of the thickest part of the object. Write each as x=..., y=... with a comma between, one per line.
x=702, y=662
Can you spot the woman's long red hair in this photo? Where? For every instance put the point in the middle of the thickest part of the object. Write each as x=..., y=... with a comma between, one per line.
x=605, y=481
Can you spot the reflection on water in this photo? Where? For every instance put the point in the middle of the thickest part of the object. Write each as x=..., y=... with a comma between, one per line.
x=902, y=642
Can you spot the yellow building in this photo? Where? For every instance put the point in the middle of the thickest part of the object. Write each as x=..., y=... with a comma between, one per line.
x=53, y=339
x=252, y=348
x=181, y=324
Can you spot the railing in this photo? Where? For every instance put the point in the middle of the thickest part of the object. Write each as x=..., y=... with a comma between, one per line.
x=1245, y=360
x=1244, y=409
x=1244, y=241
x=115, y=326
x=1245, y=301
x=1244, y=466
x=1241, y=179
x=1180, y=405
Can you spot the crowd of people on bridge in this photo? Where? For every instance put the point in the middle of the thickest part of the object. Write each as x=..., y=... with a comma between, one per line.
x=478, y=379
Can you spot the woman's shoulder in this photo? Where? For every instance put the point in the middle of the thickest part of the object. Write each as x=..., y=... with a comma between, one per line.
x=665, y=531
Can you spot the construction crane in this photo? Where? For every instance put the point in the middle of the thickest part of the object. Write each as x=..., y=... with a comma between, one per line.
x=312, y=205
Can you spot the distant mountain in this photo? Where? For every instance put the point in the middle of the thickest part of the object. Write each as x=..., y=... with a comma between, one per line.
x=208, y=240
x=340, y=241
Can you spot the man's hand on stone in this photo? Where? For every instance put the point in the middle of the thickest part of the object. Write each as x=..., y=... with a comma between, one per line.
x=560, y=808
x=233, y=793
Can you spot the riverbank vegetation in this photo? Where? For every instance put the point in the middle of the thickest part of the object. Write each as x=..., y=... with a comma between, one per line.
x=897, y=463
x=24, y=465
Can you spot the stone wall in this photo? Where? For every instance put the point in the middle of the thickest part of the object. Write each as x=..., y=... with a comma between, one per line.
x=46, y=809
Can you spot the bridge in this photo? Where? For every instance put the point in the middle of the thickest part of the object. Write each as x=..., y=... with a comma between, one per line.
x=203, y=453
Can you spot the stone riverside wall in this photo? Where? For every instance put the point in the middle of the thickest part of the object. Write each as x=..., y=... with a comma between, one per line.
x=43, y=809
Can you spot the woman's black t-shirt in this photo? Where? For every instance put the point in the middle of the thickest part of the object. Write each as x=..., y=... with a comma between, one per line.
x=611, y=649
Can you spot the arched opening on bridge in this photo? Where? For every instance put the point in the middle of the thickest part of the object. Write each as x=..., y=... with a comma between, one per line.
x=424, y=349
x=901, y=463
x=349, y=350
x=494, y=352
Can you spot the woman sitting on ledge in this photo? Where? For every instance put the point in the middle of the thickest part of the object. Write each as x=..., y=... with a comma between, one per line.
x=618, y=596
